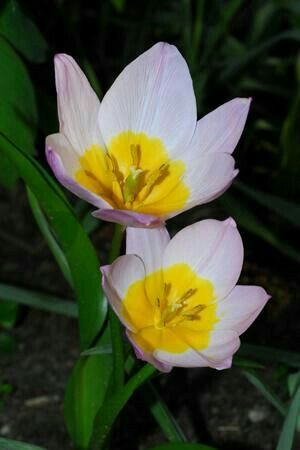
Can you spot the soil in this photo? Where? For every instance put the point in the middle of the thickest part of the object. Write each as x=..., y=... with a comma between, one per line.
x=218, y=408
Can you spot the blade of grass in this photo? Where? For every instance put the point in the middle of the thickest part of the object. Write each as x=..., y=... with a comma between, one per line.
x=286, y=209
x=265, y=391
x=182, y=446
x=289, y=426
x=270, y=354
x=50, y=239
x=256, y=52
x=162, y=415
x=248, y=220
x=38, y=300
x=111, y=408
x=8, y=444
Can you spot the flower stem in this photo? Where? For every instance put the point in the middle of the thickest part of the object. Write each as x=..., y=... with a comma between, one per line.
x=115, y=328
x=110, y=410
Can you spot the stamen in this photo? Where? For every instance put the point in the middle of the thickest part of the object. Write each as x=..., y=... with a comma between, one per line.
x=155, y=177
x=135, y=150
x=178, y=311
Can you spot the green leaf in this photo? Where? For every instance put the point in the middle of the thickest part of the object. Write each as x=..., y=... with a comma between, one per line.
x=246, y=363
x=8, y=313
x=270, y=354
x=248, y=220
x=48, y=235
x=113, y=405
x=290, y=136
x=38, y=300
x=265, y=390
x=162, y=415
x=182, y=446
x=289, y=426
x=18, y=111
x=119, y=5
x=286, y=209
x=22, y=33
x=102, y=349
x=227, y=13
x=7, y=343
x=85, y=393
x=8, y=444
x=75, y=243
x=253, y=53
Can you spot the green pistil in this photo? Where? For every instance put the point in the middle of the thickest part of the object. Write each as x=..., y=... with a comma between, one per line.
x=131, y=184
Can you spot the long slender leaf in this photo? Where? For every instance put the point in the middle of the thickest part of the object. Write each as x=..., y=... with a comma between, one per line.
x=257, y=51
x=162, y=415
x=50, y=239
x=270, y=354
x=182, y=446
x=38, y=300
x=22, y=33
x=265, y=391
x=286, y=209
x=85, y=393
x=113, y=405
x=247, y=219
x=8, y=444
x=226, y=14
x=74, y=241
x=18, y=110
x=289, y=426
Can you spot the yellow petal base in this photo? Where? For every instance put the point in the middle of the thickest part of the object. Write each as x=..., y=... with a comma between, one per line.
x=171, y=310
x=136, y=174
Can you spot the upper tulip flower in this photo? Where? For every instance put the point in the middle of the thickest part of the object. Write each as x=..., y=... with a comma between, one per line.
x=140, y=156
x=178, y=299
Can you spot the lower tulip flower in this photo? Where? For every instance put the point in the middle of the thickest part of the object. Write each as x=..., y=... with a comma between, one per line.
x=178, y=298
x=140, y=157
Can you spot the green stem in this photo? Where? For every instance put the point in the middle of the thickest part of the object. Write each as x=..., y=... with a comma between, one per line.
x=115, y=327
x=110, y=410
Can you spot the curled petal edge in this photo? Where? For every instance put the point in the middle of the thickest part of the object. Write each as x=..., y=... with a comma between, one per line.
x=56, y=164
x=129, y=218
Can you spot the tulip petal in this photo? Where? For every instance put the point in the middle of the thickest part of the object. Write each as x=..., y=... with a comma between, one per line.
x=207, y=177
x=128, y=218
x=208, y=246
x=223, y=344
x=241, y=307
x=147, y=357
x=153, y=95
x=117, y=278
x=149, y=245
x=62, y=161
x=220, y=130
x=78, y=105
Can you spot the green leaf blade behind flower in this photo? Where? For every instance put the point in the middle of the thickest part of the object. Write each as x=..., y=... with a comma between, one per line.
x=289, y=426
x=182, y=446
x=85, y=393
x=18, y=110
x=74, y=241
x=22, y=33
x=8, y=444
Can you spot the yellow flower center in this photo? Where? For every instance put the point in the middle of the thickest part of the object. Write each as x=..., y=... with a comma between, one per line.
x=135, y=173
x=171, y=310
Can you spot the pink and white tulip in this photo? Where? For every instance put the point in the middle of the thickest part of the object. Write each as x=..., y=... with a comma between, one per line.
x=140, y=157
x=178, y=298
